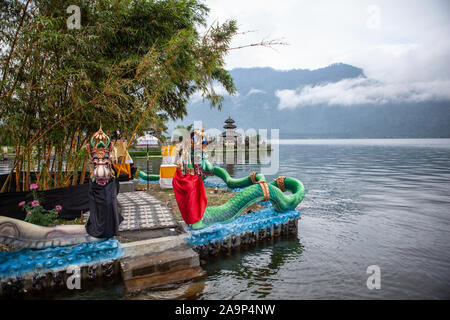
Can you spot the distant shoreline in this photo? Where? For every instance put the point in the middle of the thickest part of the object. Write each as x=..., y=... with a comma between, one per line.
x=431, y=142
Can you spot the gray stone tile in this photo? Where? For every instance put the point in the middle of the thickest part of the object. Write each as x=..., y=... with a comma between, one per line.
x=143, y=211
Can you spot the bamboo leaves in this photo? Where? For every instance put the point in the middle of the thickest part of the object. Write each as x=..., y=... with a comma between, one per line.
x=131, y=67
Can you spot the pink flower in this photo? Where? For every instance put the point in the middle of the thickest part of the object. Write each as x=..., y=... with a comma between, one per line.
x=35, y=203
x=29, y=212
x=21, y=203
x=58, y=207
x=33, y=186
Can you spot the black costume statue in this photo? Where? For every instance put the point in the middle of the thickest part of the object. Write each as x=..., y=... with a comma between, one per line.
x=104, y=218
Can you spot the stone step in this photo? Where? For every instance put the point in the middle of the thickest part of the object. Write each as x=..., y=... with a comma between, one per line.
x=152, y=246
x=164, y=279
x=179, y=258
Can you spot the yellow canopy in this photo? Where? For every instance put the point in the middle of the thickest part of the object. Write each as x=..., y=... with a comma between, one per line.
x=119, y=150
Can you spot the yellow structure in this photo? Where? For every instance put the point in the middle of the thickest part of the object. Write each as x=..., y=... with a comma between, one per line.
x=119, y=151
x=122, y=168
x=168, y=166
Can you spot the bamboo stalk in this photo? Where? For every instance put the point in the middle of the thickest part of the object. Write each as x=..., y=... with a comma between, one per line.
x=44, y=162
x=18, y=171
x=27, y=183
x=13, y=45
x=51, y=172
x=70, y=161
x=83, y=171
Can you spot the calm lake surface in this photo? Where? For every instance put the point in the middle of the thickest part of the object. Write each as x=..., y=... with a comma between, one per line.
x=368, y=202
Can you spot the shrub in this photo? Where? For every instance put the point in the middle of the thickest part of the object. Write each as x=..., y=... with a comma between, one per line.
x=36, y=213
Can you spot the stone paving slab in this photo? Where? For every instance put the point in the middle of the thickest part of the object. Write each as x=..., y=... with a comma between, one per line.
x=152, y=246
x=143, y=211
x=134, y=198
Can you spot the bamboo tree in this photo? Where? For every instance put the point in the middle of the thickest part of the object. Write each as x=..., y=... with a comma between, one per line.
x=132, y=66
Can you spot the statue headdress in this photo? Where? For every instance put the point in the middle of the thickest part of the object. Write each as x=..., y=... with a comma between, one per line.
x=99, y=148
x=100, y=140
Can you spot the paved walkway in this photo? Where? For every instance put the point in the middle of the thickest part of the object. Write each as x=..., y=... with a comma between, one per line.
x=142, y=211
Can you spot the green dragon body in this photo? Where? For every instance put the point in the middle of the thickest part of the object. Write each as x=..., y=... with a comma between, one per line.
x=148, y=177
x=252, y=193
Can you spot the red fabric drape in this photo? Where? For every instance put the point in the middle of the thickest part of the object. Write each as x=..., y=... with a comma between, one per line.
x=190, y=195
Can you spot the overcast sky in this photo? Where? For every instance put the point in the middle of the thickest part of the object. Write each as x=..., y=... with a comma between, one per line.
x=397, y=42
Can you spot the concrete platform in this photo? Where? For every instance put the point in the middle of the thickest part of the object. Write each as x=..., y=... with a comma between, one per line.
x=142, y=265
x=152, y=252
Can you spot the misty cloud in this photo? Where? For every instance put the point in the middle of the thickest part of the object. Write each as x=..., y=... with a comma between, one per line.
x=364, y=91
x=218, y=89
x=255, y=91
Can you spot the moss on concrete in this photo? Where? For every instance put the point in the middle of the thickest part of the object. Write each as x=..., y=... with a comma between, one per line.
x=5, y=247
x=74, y=221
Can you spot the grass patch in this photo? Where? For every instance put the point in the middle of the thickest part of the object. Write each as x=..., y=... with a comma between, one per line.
x=143, y=153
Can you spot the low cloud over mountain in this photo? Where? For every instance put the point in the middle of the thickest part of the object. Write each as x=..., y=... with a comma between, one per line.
x=357, y=91
x=336, y=101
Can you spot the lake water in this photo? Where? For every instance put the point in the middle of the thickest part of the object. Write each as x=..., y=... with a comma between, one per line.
x=368, y=202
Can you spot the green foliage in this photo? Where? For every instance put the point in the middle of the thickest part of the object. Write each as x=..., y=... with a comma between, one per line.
x=131, y=60
x=37, y=214
x=188, y=128
x=41, y=217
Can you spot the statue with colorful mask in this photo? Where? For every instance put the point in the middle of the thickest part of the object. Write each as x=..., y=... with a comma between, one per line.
x=104, y=218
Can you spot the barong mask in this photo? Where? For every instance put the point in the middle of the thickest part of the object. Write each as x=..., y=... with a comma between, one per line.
x=99, y=148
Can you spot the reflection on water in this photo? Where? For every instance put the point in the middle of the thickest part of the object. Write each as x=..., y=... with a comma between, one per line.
x=251, y=274
x=190, y=290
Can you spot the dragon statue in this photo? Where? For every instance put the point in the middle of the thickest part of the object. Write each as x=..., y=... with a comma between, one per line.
x=255, y=189
x=22, y=234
